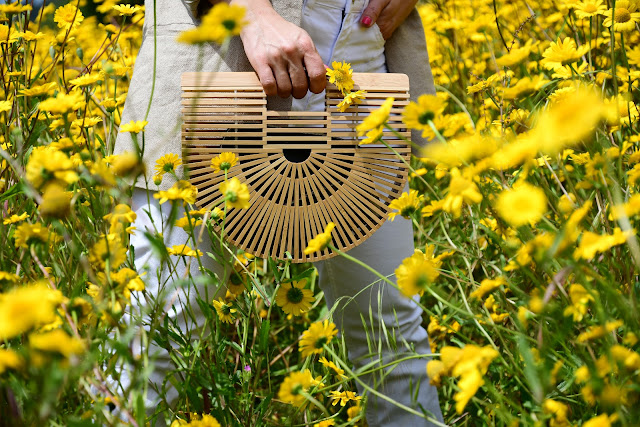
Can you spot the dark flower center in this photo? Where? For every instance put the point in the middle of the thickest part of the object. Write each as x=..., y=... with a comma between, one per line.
x=231, y=196
x=229, y=24
x=422, y=281
x=294, y=295
x=426, y=117
x=321, y=341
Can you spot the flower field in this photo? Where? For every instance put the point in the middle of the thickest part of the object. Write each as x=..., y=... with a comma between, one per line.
x=524, y=208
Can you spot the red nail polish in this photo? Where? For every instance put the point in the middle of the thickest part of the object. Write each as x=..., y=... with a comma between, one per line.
x=366, y=20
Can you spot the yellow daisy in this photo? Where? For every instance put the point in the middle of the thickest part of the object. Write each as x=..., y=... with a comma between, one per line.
x=293, y=298
x=321, y=241
x=224, y=161
x=134, y=126
x=418, y=115
x=624, y=17
x=376, y=119
x=352, y=98
x=406, y=204
x=589, y=8
x=416, y=273
x=236, y=194
x=224, y=310
x=522, y=205
x=562, y=52
x=314, y=338
x=293, y=385
x=167, y=163
x=183, y=250
x=341, y=75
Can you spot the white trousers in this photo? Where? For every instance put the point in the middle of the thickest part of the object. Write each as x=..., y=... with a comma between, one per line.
x=338, y=36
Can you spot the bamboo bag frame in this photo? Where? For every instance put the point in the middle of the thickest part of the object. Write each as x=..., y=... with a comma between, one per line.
x=303, y=169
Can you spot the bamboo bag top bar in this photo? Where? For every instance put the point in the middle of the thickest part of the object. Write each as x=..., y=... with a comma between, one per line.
x=303, y=169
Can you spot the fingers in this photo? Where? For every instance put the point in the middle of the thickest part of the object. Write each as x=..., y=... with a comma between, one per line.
x=298, y=79
x=316, y=70
x=283, y=81
x=372, y=12
x=267, y=79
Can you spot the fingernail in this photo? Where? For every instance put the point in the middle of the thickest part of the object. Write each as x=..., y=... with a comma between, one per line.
x=366, y=20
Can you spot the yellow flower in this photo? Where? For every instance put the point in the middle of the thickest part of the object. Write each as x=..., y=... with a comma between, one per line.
x=625, y=16
x=376, y=119
x=416, y=273
x=419, y=115
x=184, y=250
x=293, y=298
x=224, y=310
x=56, y=202
x=320, y=242
x=15, y=7
x=125, y=164
x=589, y=8
x=186, y=224
x=629, y=358
x=524, y=204
x=24, y=308
x=27, y=234
x=351, y=98
x=580, y=298
x=568, y=122
x=461, y=190
x=5, y=106
x=486, y=286
x=9, y=359
x=314, y=338
x=105, y=251
x=134, y=126
x=562, y=52
x=15, y=218
x=236, y=194
x=602, y=420
x=87, y=79
x=43, y=89
x=469, y=364
x=181, y=190
x=126, y=9
x=167, y=163
x=558, y=410
x=406, y=204
x=325, y=423
x=49, y=165
x=341, y=75
x=514, y=56
x=220, y=23
x=343, y=397
x=68, y=16
x=63, y=103
x=224, y=161
x=293, y=385
x=330, y=365
x=592, y=243
x=56, y=341
x=373, y=136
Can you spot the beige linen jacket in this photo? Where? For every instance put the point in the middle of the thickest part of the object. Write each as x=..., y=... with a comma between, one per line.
x=406, y=52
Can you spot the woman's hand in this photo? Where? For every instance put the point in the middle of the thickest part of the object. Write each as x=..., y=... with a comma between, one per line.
x=389, y=14
x=282, y=54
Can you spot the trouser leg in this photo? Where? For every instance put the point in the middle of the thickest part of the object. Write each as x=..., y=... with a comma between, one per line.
x=380, y=321
x=169, y=293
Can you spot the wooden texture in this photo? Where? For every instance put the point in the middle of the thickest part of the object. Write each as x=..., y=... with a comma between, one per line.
x=303, y=169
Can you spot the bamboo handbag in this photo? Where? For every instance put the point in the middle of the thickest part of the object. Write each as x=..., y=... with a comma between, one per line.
x=303, y=169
